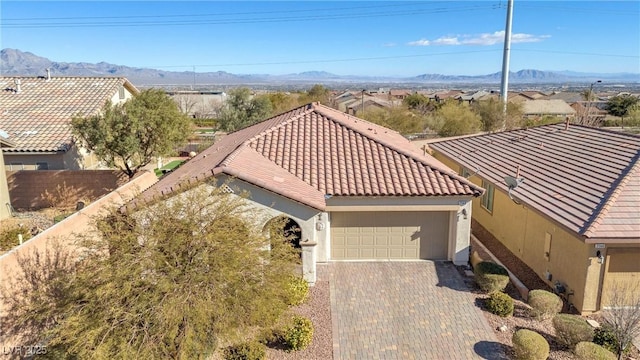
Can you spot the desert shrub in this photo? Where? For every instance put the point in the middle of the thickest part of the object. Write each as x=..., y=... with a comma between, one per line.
x=529, y=345
x=544, y=304
x=500, y=304
x=491, y=277
x=589, y=351
x=298, y=290
x=572, y=329
x=245, y=351
x=605, y=337
x=9, y=237
x=298, y=336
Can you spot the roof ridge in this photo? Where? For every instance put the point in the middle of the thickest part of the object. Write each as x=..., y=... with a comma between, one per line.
x=411, y=155
x=614, y=192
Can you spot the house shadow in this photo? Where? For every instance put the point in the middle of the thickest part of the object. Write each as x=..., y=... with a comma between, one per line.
x=450, y=276
x=491, y=350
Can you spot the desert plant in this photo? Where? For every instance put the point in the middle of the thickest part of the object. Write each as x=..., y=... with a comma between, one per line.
x=500, y=304
x=589, y=351
x=298, y=336
x=9, y=238
x=245, y=351
x=572, y=329
x=491, y=277
x=622, y=314
x=529, y=345
x=544, y=304
x=298, y=290
x=605, y=337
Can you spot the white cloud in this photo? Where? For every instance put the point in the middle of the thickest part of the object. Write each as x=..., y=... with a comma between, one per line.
x=450, y=40
x=484, y=39
x=421, y=42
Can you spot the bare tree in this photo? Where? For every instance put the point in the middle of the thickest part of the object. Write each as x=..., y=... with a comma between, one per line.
x=623, y=314
x=186, y=103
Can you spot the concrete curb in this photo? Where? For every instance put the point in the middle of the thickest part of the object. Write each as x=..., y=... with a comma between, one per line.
x=523, y=290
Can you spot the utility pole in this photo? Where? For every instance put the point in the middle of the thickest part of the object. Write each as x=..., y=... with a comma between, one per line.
x=504, y=86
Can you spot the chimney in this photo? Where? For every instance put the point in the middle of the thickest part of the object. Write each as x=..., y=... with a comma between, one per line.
x=48, y=74
x=18, y=82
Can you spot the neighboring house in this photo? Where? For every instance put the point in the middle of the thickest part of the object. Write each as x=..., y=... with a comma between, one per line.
x=574, y=218
x=356, y=190
x=537, y=109
x=399, y=94
x=36, y=113
x=355, y=108
x=5, y=200
x=471, y=96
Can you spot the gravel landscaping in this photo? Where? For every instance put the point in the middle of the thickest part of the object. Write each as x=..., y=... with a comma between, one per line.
x=520, y=318
x=318, y=309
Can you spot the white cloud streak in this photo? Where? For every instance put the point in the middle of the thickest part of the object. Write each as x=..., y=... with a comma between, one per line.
x=485, y=39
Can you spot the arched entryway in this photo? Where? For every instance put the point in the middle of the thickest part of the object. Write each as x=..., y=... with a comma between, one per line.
x=288, y=227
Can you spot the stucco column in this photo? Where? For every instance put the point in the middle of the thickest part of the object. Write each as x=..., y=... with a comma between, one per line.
x=309, y=260
x=462, y=231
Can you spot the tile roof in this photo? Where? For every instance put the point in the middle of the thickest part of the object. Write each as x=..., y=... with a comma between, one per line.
x=547, y=107
x=584, y=178
x=313, y=151
x=37, y=117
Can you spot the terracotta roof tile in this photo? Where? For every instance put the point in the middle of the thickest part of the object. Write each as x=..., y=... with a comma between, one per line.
x=313, y=151
x=37, y=117
x=587, y=179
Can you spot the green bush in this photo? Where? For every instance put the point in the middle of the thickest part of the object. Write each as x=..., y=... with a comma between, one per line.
x=491, y=277
x=589, y=351
x=9, y=237
x=500, y=304
x=246, y=351
x=544, y=304
x=298, y=336
x=572, y=329
x=605, y=337
x=298, y=290
x=529, y=345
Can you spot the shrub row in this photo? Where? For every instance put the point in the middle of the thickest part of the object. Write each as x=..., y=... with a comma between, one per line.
x=544, y=304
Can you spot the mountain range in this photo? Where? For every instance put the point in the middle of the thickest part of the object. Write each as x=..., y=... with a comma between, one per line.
x=14, y=62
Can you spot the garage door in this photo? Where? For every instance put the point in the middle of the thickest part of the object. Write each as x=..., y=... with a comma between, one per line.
x=622, y=273
x=389, y=235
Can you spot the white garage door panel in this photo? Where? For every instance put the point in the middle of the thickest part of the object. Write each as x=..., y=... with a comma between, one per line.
x=389, y=235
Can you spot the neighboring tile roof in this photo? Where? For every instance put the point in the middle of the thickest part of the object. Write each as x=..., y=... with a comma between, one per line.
x=313, y=151
x=546, y=107
x=37, y=117
x=584, y=178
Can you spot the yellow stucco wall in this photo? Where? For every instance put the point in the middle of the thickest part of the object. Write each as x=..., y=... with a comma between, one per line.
x=523, y=231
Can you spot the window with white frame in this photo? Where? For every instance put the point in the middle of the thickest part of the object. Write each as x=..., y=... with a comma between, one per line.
x=487, y=198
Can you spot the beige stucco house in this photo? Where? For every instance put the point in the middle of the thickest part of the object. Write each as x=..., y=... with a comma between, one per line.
x=572, y=213
x=356, y=190
x=37, y=111
x=5, y=201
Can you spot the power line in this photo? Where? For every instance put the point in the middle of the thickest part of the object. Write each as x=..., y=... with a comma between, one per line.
x=326, y=60
x=243, y=20
x=373, y=58
x=396, y=5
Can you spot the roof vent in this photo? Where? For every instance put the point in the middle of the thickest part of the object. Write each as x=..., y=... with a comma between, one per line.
x=48, y=74
x=18, y=82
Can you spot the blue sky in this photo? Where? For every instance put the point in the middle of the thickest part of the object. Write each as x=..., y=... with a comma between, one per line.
x=378, y=38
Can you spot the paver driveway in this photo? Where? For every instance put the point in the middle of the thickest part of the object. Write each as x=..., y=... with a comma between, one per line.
x=406, y=310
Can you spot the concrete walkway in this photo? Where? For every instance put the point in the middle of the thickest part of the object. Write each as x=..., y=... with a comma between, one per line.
x=406, y=310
